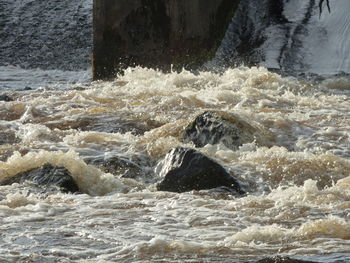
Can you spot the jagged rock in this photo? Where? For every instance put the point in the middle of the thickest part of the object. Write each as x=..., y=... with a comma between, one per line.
x=47, y=175
x=213, y=127
x=4, y=97
x=283, y=260
x=185, y=169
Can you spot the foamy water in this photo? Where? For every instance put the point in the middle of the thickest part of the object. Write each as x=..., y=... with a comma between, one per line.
x=296, y=172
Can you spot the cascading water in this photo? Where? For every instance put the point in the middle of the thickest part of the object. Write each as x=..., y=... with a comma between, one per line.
x=292, y=159
x=291, y=36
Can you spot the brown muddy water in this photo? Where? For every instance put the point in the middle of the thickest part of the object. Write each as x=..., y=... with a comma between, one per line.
x=296, y=173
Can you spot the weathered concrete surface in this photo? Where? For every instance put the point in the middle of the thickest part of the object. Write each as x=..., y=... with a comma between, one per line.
x=157, y=33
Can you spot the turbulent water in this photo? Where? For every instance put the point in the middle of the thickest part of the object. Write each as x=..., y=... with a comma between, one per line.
x=298, y=178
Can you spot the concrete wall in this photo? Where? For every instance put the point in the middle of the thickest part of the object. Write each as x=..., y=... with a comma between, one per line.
x=157, y=33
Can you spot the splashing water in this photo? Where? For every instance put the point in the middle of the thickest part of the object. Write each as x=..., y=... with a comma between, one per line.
x=299, y=183
x=111, y=136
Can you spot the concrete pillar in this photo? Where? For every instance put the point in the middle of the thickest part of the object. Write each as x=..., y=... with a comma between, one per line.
x=157, y=33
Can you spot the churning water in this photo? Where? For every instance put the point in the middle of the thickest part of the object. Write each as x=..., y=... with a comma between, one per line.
x=297, y=177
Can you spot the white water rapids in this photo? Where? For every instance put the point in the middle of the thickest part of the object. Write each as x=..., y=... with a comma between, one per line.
x=297, y=174
x=299, y=200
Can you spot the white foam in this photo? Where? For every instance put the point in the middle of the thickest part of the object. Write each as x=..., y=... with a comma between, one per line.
x=88, y=178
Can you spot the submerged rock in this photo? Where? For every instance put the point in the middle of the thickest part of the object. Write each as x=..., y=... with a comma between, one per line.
x=104, y=123
x=121, y=166
x=213, y=127
x=283, y=260
x=47, y=175
x=186, y=169
x=5, y=97
x=8, y=136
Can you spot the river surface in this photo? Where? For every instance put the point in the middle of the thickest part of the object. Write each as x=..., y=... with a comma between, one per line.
x=297, y=176
x=299, y=188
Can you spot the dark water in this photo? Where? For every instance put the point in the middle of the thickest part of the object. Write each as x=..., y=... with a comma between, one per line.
x=296, y=171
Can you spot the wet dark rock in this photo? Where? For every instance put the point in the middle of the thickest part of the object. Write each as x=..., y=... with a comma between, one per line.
x=4, y=97
x=27, y=88
x=121, y=166
x=8, y=136
x=213, y=127
x=113, y=124
x=79, y=88
x=46, y=175
x=283, y=260
x=185, y=169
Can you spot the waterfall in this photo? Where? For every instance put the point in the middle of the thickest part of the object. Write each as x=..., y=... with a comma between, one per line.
x=290, y=36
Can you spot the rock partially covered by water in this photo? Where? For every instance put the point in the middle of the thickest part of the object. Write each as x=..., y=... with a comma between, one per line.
x=134, y=167
x=283, y=260
x=47, y=175
x=5, y=97
x=213, y=127
x=185, y=169
x=103, y=123
x=8, y=136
